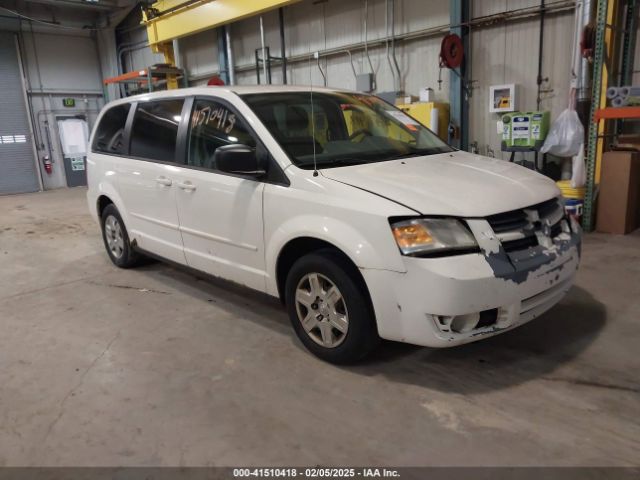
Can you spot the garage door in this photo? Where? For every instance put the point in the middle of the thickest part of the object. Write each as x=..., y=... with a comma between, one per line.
x=17, y=169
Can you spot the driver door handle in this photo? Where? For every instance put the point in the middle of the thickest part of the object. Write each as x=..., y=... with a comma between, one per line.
x=187, y=186
x=164, y=181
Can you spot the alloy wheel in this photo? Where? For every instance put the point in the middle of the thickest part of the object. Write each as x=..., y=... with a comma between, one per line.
x=113, y=234
x=322, y=310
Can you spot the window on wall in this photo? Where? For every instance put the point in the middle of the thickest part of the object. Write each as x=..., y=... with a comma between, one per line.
x=214, y=125
x=155, y=130
x=109, y=137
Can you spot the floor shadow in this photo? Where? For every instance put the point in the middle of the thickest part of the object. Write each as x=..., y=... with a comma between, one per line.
x=228, y=296
x=514, y=357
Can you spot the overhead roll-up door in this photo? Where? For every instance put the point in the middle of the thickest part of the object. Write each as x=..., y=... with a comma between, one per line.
x=17, y=167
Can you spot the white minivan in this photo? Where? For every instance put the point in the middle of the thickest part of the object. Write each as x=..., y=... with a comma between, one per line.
x=361, y=220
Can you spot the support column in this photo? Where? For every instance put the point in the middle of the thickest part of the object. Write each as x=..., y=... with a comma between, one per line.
x=167, y=50
x=223, y=61
x=629, y=41
x=460, y=13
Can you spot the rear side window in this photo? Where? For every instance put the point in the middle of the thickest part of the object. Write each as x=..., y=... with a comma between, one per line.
x=155, y=130
x=109, y=137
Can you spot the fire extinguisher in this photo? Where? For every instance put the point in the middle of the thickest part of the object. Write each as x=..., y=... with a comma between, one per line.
x=48, y=164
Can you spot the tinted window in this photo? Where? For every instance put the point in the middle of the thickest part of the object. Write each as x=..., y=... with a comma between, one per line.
x=155, y=130
x=109, y=137
x=214, y=125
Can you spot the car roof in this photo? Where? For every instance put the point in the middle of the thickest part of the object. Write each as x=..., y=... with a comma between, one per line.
x=246, y=89
x=237, y=89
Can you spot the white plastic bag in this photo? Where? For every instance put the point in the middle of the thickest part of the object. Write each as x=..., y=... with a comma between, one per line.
x=566, y=135
x=578, y=170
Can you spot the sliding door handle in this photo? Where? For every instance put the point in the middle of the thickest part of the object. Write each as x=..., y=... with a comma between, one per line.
x=164, y=181
x=187, y=186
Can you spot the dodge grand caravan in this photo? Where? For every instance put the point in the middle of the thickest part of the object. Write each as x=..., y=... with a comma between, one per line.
x=361, y=220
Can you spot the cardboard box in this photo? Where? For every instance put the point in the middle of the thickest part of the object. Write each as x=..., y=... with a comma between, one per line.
x=619, y=197
x=407, y=99
x=427, y=94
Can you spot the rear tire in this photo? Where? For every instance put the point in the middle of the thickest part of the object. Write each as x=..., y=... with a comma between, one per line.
x=329, y=308
x=116, y=239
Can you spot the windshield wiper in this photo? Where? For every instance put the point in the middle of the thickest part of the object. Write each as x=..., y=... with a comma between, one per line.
x=417, y=153
x=342, y=162
x=347, y=161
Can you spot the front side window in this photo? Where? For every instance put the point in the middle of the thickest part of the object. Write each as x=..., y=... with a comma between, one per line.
x=155, y=130
x=213, y=125
x=341, y=128
x=109, y=137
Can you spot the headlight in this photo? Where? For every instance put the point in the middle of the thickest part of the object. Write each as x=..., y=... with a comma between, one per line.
x=436, y=235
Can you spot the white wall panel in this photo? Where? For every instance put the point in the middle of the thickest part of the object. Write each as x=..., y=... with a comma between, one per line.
x=136, y=57
x=68, y=66
x=483, y=8
x=311, y=27
x=200, y=53
x=509, y=54
x=66, y=62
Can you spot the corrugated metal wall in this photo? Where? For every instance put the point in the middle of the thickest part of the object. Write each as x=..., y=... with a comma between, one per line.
x=504, y=53
x=313, y=26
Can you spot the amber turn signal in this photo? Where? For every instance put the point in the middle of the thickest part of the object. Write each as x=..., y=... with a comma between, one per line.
x=412, y=235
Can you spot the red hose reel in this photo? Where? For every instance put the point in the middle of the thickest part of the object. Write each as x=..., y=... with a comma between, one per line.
x=451, y=51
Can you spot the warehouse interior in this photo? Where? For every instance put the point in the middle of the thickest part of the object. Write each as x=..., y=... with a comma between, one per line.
x=159, y=367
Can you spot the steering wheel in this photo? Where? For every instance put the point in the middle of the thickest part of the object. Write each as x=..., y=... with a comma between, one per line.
x=357, y=133
x=116, y=141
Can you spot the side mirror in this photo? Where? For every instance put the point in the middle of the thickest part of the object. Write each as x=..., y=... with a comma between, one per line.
x=238, y=159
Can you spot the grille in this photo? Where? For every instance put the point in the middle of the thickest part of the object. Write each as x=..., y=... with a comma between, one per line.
x=520, y=244
x=517, y=229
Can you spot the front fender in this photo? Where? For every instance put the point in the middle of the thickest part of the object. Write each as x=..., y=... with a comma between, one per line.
x=372, y=247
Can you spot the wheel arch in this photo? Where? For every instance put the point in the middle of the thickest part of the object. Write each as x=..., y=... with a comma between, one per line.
x=106, y=194
x=101, y=203
x=298, y=247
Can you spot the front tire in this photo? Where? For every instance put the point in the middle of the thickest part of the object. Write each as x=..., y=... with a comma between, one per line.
x=116, y=238
x=329, y=308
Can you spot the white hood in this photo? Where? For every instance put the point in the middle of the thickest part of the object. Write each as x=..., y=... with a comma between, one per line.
x=457, y=184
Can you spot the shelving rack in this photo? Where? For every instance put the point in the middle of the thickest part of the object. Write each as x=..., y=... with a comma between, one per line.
x=604, y=60
x=147, y=79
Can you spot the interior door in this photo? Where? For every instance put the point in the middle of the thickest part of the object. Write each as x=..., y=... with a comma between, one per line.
x=146, y=178
x=220, y=214
x=74, y=139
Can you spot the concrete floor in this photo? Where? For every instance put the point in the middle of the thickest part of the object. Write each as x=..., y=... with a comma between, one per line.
x=100, y=366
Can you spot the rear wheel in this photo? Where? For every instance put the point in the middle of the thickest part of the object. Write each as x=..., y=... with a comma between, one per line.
x=329, y=308
x=116, y=239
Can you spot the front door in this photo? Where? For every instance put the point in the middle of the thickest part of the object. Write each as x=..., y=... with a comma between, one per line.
x=146, y=178
x=220, y=214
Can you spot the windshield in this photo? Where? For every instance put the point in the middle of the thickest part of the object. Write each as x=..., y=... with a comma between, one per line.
x=341, y=128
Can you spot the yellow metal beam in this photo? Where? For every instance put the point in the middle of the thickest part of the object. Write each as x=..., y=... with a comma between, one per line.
x=169, y=57
x=186, y=18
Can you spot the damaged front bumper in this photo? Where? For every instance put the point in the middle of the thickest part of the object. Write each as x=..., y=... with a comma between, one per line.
x=442, y=302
